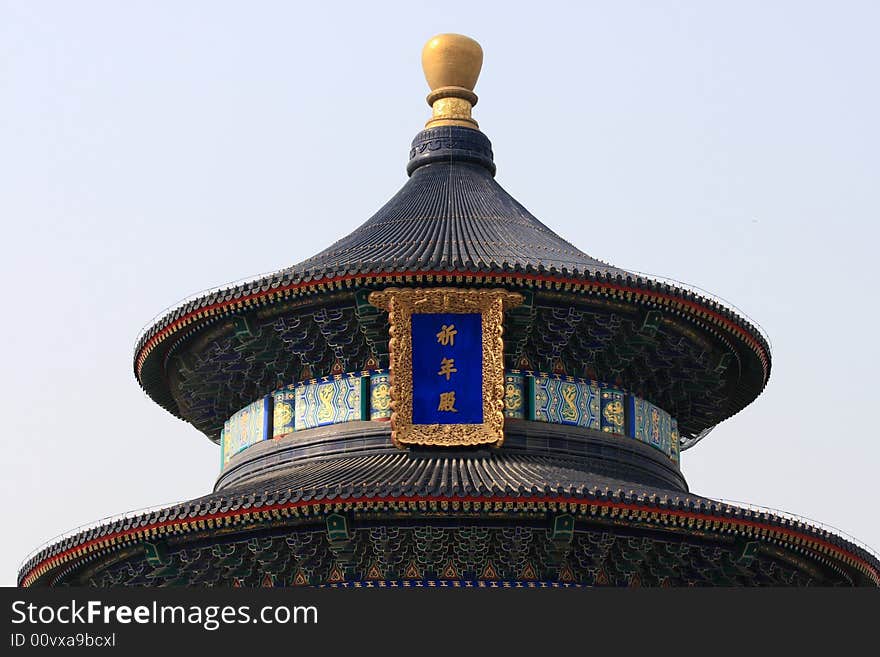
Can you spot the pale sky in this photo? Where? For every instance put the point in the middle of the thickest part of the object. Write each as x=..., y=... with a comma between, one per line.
x=149, y=150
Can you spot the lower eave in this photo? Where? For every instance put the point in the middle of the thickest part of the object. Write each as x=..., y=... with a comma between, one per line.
x=721, y=519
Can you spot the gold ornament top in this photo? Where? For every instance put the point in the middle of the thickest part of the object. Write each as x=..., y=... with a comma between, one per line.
x=452, y=64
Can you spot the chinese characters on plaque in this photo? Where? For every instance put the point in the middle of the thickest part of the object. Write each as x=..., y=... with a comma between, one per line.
x=447, y=362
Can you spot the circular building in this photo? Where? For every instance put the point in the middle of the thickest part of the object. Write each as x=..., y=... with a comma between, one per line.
x=452, y=395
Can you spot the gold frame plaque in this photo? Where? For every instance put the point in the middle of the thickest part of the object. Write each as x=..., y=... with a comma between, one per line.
x=402, y=304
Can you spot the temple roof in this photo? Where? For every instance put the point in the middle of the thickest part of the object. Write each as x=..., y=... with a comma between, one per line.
x=450, y=223
x=516, y=483
x=463, y=474
x=451, y=214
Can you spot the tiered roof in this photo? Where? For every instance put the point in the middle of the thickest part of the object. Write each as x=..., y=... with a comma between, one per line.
x=555, y=505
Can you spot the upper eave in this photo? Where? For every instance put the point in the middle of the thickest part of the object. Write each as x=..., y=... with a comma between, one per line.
x=269, y=289
x=188, y=319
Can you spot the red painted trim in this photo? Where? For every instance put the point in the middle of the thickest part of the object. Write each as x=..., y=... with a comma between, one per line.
x=483, y=500
x=743, y=333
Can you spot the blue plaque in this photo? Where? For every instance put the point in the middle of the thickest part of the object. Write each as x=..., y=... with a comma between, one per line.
x=447, y=368
x=446, y=359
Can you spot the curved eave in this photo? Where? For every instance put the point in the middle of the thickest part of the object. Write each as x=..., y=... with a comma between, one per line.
x=149, y=366
x=250, y=510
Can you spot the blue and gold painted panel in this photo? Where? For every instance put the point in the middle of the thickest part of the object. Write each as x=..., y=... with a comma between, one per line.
x=527, y=395
x=675, y=443
x=283, y=402
x=650, y=424
x=247, y=427
x=514, y=395
x=613, y=411
x=320, y=402
x=447, y=368
x=566, y=400
x=380, y=395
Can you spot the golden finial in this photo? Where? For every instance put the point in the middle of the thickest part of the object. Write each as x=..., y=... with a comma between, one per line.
x=452, y=65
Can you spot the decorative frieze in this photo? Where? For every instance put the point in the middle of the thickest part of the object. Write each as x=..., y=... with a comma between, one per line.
x=331, y=400
x=536, y=396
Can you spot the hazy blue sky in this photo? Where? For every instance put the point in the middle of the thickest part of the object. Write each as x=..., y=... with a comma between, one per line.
x=152, y=149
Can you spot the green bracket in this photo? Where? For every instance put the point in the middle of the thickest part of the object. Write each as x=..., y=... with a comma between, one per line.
x=651, y=323
x=563, y=528
x=155, y=554
x=749, y=552
x=362, y=303
x=242, y=328
x=337, y=527
x=530, y=396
